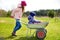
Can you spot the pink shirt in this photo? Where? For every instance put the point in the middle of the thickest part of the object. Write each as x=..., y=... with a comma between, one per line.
x=17, y=13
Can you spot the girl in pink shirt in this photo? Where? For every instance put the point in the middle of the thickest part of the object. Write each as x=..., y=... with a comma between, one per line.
x=17, y=14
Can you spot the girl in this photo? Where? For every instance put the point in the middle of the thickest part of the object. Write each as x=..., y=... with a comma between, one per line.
x=17, y=14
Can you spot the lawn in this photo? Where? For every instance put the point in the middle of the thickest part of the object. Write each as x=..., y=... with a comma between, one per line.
x=7, y=24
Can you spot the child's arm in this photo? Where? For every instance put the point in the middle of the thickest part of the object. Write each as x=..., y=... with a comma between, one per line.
x=29, y=18
x=12, y=14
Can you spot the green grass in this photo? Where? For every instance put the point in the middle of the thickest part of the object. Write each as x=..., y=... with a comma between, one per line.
x=7, y=25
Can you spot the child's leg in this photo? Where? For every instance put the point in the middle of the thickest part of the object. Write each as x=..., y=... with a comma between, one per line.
x=17, y=27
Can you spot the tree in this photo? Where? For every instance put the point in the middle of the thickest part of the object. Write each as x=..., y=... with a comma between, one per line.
x=58, y=12
x=51, y=13
x=3, y=13
x=26, y=13
x=9, y=13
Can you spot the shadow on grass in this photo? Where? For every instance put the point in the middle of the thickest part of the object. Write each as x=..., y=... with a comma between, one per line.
x=1, y=38
x=27, y=38
x=10, y=37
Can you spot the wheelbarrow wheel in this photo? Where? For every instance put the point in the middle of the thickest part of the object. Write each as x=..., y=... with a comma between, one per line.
x=41, y=33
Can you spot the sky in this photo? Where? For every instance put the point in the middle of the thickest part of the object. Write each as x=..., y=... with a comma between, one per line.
x=32, y=5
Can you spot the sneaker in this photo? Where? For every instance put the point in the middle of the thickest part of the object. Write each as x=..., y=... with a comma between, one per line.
x=13, y=34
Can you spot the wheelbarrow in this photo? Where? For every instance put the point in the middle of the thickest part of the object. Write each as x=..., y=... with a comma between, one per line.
x=40, y=29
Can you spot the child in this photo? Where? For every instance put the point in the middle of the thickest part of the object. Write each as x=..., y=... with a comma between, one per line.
x=17, y=14
x=32, y=19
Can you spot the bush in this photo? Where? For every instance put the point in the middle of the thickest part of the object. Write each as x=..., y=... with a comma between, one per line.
x=9, y=13
x=2, y=13
x=51, y=14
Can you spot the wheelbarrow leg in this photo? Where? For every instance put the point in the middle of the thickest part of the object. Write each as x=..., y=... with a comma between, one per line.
x=28, y=32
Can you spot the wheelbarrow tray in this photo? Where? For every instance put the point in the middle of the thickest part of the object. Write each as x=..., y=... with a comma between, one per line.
x=37, y=26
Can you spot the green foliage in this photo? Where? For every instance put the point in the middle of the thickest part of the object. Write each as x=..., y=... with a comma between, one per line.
x=9, y=13
x=58, y=12
x=26, y=14
x=3, y=13
x=51, y=13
